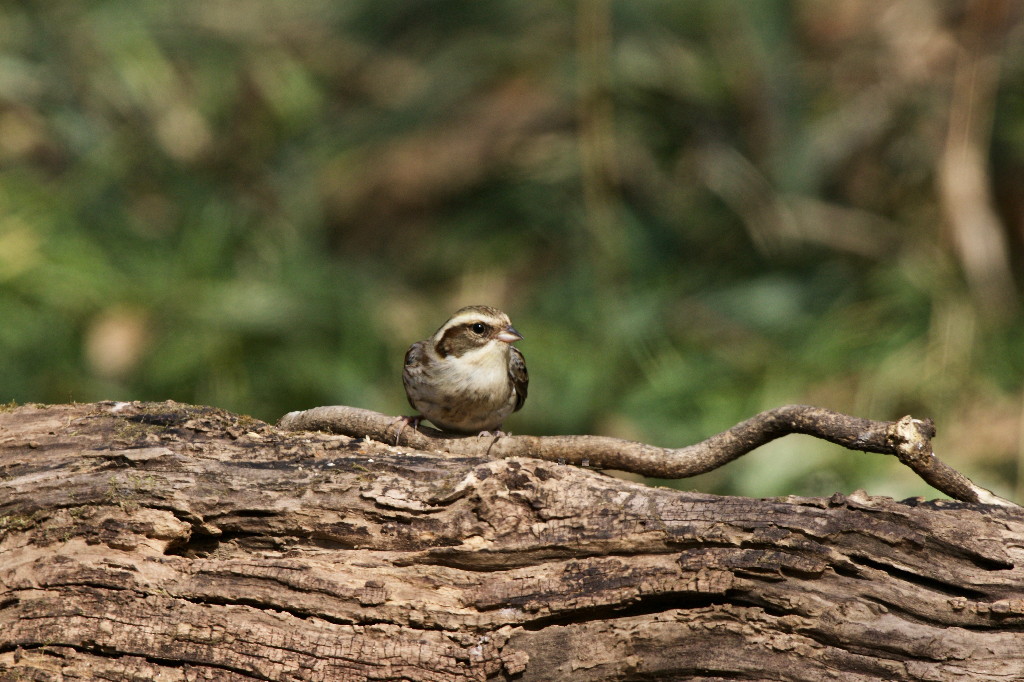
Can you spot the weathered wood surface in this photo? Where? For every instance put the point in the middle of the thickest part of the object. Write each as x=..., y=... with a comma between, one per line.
x=159, y=541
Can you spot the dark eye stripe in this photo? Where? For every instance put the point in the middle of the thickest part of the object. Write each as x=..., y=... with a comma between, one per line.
x=461, y=338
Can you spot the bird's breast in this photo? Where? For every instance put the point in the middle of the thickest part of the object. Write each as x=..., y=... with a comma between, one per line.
x=481, y=371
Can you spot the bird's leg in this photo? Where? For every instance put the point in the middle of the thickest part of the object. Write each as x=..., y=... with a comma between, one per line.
x=402, y=422
x=495, y=434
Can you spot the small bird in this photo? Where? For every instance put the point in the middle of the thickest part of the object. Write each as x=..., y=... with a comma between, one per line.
x=467, y=377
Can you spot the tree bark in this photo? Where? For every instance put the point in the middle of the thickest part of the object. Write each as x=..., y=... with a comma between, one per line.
x=172, y=542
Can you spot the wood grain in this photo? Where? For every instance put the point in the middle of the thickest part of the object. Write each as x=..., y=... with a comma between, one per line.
x=173, y=542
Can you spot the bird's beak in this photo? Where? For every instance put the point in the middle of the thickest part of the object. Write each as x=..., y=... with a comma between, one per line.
x=508, y=335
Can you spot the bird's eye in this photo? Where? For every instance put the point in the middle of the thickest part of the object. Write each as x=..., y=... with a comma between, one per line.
x=479, y=327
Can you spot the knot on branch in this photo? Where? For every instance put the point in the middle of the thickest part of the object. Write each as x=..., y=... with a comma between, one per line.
x=911, y=440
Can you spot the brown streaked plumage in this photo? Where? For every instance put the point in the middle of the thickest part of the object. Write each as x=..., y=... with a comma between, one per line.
x=467, y=377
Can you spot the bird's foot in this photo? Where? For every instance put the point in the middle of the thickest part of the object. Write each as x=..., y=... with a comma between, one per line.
x=401, y=422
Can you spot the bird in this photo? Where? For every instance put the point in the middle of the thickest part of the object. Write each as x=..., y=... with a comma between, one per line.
x=468, y=377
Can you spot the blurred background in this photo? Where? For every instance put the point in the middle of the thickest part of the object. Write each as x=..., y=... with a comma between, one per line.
x=693, y=210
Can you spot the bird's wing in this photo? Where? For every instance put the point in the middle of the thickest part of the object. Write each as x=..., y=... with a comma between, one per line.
x=413, y=358
x=520, y=378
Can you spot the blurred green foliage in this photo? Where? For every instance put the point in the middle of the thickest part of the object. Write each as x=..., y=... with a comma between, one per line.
x=693, y=210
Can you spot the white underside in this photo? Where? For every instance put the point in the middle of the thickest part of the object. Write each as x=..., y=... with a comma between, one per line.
x=472, y=392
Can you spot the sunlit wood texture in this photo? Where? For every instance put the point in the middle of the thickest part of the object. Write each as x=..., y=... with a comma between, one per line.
x=165, y=541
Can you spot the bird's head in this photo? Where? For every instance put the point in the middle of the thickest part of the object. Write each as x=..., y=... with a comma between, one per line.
x=475, y=327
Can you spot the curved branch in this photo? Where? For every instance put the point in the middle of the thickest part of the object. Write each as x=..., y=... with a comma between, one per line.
x=908, y=439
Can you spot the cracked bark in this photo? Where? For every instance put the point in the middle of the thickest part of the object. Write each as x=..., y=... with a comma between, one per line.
x=165, y=541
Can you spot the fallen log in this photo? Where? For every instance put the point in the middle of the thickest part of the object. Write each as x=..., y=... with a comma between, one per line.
x=173, y=542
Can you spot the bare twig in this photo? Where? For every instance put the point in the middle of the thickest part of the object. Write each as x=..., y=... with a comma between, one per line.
x=909, y=439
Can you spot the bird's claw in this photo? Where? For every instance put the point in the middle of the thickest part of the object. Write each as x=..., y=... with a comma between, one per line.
x=402, y=422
